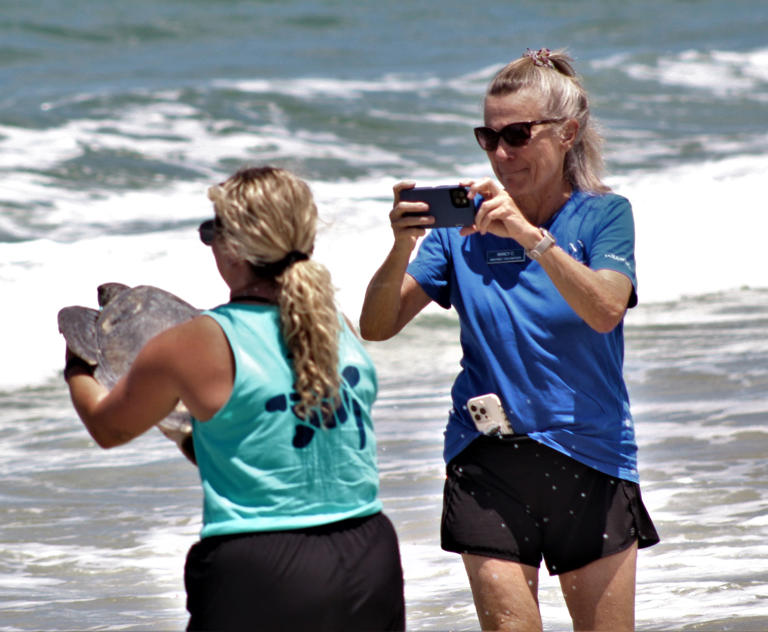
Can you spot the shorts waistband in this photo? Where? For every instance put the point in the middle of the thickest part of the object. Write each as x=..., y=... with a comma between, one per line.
x=507, y=437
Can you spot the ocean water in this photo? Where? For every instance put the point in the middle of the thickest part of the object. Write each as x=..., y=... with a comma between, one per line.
x=114, y=119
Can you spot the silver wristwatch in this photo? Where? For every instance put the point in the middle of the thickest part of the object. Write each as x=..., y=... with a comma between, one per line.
x=547, y=241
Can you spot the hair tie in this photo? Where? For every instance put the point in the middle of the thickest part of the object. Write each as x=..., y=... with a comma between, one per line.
x=294, y=256
x=540, y=57
x=276, y=268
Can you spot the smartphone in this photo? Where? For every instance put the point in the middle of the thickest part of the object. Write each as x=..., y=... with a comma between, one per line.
x=449, y=205
x=488, y=415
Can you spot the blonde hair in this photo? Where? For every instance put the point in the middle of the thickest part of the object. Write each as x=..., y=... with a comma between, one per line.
x=551, y=75
x=268, y=218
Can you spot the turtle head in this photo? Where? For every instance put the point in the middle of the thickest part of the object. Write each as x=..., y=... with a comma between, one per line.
x=107, y=291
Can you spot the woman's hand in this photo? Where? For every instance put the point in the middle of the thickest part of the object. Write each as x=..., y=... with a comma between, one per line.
x=499, y=215
x=409, y=220
x=75, y=365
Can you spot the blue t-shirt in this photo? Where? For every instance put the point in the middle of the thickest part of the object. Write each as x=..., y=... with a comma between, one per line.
x=559, y=380
x=262, y=467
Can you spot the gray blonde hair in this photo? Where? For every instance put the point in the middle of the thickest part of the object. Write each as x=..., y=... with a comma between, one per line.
x=268, y=216
x=551, y=75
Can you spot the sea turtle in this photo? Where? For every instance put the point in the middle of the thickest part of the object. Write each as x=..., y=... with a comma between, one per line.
x=110, y=338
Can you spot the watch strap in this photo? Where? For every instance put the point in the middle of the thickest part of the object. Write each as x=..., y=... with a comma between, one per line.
x=547, y=241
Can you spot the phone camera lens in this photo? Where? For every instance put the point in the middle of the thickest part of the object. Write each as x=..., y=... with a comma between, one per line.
x=459, y=197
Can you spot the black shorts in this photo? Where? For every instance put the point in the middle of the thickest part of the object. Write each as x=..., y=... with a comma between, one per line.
x=341, y=576
x=516, y=499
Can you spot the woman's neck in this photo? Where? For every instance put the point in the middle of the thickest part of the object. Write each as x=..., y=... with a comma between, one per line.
x=258, y=290
x=540, y=209
x=541, y=205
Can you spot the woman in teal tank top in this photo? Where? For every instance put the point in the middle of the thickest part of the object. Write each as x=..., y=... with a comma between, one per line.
x=280, y=390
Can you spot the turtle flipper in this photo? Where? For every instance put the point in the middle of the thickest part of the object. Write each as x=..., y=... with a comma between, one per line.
x=178, y=428
x=78, y=326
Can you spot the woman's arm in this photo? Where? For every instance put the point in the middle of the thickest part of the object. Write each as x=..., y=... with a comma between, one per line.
x=599, y=297
x=191, y=362
x=144, y=396
x=393, y=297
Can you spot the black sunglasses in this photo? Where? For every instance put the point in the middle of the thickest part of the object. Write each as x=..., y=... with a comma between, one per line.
x=514, y=134
x=208, y=230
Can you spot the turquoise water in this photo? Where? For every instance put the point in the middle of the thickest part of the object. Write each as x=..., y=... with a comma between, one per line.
x=114, y=118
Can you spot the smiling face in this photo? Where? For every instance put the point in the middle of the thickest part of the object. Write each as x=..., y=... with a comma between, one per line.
x=535, y=170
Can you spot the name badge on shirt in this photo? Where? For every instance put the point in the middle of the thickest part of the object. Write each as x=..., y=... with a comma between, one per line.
x=511, y=255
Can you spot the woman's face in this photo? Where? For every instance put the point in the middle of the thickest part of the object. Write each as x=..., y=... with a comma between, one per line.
x=222, y=253
x=537, y=166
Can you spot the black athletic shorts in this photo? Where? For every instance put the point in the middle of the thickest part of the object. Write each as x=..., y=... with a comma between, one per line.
x=341, y=576
x=515, y=499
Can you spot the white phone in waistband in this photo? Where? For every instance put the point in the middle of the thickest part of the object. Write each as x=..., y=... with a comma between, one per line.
x=488, y=415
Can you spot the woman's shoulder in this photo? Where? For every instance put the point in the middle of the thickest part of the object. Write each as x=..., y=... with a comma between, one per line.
x=600, y=199
x=184, y=344
x=197, y=331
x=600, y=207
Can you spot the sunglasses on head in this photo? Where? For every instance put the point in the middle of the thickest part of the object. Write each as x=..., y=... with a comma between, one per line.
x=514, y=134
x=208, y=230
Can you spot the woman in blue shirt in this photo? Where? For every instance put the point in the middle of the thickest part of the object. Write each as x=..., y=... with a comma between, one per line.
x=541, y=283
x=280, y=390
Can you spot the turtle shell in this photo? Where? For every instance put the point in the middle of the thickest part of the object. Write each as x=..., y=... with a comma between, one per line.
x=110, y=339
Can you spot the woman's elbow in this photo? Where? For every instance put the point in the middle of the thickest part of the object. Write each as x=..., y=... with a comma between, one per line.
x=106, y=444
x=607, y=319
x=107, y=438
x=373, y=333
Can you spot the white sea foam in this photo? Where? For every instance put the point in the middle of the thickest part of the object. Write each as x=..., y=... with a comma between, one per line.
x=169, y=133
x=307, y=88
x=697, y=224
x=721, y=73
x=698, y=229
x=38, y=278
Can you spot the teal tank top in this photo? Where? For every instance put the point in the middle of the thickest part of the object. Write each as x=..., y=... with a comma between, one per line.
x=263, y=468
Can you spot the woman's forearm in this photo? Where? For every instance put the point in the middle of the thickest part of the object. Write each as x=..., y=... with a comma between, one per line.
x=86, y=394
x=599, y=297
x=381, y=307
